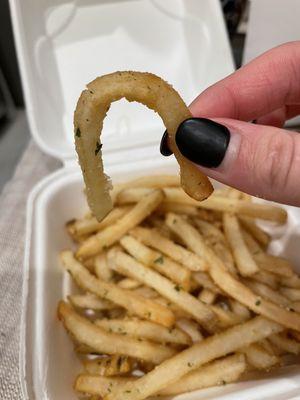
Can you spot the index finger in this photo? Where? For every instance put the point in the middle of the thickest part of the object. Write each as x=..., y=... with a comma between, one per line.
x=267, y=83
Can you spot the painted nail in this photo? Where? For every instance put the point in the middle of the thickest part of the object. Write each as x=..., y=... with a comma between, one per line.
x=164, y=147
x=203, y=141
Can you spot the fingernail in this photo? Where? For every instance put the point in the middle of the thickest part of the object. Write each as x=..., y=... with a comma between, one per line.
x=164, y=147
x=203, y=141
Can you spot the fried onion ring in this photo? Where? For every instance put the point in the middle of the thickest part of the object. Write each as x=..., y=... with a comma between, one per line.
x=90, y=112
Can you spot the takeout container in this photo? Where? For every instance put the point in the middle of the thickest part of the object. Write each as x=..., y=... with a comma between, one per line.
x=61, y=46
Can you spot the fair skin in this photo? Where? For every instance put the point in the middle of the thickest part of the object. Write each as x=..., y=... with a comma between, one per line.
x=262, y=159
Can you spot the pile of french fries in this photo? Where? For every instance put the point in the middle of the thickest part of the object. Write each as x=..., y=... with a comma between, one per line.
x=177, y=295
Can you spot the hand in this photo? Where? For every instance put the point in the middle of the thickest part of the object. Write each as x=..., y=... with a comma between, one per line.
x=261, y=159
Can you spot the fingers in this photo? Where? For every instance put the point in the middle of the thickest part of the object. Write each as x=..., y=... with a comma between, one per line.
x=261, y=160
x=260, y=87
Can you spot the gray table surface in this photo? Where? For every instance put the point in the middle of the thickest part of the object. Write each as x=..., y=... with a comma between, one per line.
x=33, y=166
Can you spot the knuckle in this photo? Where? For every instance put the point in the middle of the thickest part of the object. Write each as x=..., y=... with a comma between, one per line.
x=274, y=160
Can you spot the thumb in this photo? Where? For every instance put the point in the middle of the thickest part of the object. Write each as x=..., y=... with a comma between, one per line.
x=261, y=160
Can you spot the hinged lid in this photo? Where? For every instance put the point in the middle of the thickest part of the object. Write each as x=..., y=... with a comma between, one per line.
x=62, y=45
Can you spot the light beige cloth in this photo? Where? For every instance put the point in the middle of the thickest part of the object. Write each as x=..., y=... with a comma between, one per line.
x=33, y=166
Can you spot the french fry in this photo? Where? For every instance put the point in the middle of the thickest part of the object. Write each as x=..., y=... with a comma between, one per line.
x=99, y=385
x=292, y=281
x=205, y=281
x=102, y=269
x=178, y=312
x=216, y=203
x=125, y=264
x=295, y=305
x=109, y=343
x=188, y=360
x=147, y=292
x=135, y=304
x=191, y=328
x=90, y=301
x=194, y=276
x=84, y=349
x=267, y=262
x=207, y=296
x=268, y=346
x=176, y=252
x=291, y=293
x=111, y=234
x=285, y=344
x=226, y=317
x=127, y=283
x=86, y=226
x=214, y=238
x=145, y=330
x=219, y=372
x=108, y=366
x=295, y=335
x=209, y=231
x=72, y=232
x=225, y=204
x=171, y=220
x=177, y=208
x=90, y=264
x=260, y=235
x=243, y=258
x=258, y=357
x=277, y=265
x=268, y=293
x=239, y=309
x=228, y=283
x=158, y=224
x=267, y=278
x=157, y=261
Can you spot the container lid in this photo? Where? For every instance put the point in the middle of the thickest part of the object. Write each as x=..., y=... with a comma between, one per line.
x=62, y=45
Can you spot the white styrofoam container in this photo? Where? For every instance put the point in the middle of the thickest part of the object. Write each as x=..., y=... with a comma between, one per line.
x=61, y=46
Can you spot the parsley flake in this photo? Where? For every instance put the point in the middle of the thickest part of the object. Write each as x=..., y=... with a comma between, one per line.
x=98, y=147
x=159, y=260
x=78, y=133
x=177, y=288
x=258, y=303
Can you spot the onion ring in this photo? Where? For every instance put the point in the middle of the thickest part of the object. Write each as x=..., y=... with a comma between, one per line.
x=90, y=112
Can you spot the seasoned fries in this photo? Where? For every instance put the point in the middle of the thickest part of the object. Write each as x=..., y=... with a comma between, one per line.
x=126, y=265
x=157, y=261
x=144, y=308
x=259, y=358
x=243, y=258
x=219, y=372
x=98, y=339
x=226, y=281
x=177, y=253
x=177, y=295
x=108, y=366
x=145, y=330
x=214, y=202
x=112, y=233
x=200, y=353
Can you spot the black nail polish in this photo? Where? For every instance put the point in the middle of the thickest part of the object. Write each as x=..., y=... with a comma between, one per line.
x=203, y=141
x=164, y=148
